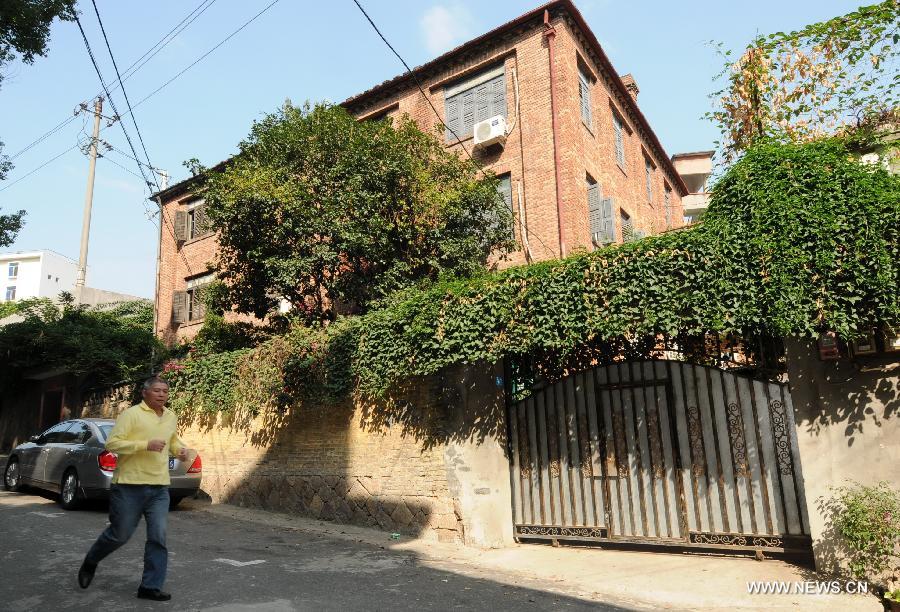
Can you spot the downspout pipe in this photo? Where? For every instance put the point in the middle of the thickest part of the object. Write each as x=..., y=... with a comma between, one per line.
x=550, y=35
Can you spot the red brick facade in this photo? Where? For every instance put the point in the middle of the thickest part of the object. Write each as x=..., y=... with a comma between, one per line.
x=522, y=48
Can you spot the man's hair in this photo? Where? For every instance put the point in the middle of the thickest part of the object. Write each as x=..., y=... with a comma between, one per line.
x=152, y=381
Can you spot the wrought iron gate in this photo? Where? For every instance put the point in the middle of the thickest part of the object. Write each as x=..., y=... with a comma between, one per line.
x=659, y=452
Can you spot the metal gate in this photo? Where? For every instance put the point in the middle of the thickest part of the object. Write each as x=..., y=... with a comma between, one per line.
x=659, y=452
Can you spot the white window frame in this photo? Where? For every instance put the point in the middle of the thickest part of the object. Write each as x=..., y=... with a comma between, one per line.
x=9, y=270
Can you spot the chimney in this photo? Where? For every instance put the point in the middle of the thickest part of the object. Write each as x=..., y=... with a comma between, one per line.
x=630, y=85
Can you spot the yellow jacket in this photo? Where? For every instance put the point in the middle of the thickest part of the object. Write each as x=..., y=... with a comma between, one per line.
x=128, y=439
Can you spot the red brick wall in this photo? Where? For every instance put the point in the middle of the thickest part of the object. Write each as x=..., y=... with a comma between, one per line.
x=528, y=154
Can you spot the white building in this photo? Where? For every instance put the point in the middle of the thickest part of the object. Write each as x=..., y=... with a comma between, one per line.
x=695, y=169
x=29, y=274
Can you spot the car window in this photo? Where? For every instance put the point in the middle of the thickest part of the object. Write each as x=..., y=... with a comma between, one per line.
x=77, y=433
x=105, y=429
x=53, y=434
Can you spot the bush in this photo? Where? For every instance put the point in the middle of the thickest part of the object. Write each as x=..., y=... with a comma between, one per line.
x=869, y=520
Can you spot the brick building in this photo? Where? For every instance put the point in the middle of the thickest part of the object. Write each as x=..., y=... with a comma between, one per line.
x=579, y=164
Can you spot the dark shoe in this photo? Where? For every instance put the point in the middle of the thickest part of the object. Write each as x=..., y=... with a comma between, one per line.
x=153, y=594
x=86, y=574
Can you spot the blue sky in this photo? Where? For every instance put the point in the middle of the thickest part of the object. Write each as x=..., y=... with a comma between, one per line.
x=301, y=50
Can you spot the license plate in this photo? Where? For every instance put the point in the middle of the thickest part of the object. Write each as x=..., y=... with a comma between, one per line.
x=171, y=463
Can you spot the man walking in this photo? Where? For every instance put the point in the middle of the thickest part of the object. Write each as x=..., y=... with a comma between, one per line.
x=143, y=437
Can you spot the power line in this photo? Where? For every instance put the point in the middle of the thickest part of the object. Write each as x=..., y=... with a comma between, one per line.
x=109, y=96
x=428, y=99
x=129, y=72
x=418, y=83
x=202, y=57
x=49, y=161
x=124, y=93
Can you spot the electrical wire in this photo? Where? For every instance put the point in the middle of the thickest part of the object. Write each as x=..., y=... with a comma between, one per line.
x=125, y=94
x=129, y=72
x=418, y=83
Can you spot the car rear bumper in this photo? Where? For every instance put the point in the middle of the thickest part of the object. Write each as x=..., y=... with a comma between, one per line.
x=181, y=486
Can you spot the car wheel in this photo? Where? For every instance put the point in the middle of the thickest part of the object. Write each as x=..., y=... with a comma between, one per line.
x=11, y=476
x=68, y=490
x=174, y=501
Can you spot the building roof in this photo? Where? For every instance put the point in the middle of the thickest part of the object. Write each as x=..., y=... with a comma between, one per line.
x=694, y=154
x=556, y=6
x=409, y=78
x=34, y=253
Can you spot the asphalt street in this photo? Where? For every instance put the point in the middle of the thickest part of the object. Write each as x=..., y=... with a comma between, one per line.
x=225, y=564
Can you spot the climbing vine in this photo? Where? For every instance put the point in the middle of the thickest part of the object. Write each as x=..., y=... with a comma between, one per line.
x=798, y=239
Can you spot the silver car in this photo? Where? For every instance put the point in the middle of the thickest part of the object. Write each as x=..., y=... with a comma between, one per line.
x=70, y=459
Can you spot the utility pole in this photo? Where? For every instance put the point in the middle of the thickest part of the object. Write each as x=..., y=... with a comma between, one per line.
x=88, y=201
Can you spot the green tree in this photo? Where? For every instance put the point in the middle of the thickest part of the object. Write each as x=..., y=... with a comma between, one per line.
x=326, y=211
x=803, y=85
x=107, y=343
x=25, y=30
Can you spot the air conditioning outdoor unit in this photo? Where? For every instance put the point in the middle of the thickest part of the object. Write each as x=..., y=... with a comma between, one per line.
x=490, y=131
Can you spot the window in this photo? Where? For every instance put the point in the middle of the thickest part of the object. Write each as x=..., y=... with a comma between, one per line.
x=603, y=230
x=190, y=305
x=627, y=227
x=13, y=270
x=620, y=140
x=192, y=222
x=667, y=194
x=10, y=294
x=648, y=171
x=584, y=96
x=504, y=190
x=476, y=99
x=54, y=434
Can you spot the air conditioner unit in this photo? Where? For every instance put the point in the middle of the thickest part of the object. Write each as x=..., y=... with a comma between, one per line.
x=490, y=131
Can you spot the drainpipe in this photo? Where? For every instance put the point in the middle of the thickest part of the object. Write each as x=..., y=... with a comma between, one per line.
x=550, y=35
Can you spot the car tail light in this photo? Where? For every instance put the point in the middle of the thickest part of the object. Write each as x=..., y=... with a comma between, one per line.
x=107, y=461
x=196, y=466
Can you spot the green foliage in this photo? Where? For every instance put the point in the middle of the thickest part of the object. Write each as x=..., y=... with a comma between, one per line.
x=893, y=595
x=25, y=29
x=9, y=224
x=110, y=343
x=331, y=213
x=869, y=520
x=8, y=308
x=301, y=364
x=797, y=239
x=802, y=85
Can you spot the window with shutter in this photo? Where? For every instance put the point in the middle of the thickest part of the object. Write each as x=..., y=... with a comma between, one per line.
x=504, y=190
x=181, y=225
x=595, y=211
x=627, y=227
x=584, y=95
x=620, y=141
x=195, y=300
x=648, y=172
x=179, y=310
x=667, y=193
x=476, y=99
x=608, y=231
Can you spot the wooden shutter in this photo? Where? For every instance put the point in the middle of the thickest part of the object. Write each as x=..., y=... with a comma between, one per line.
x=627, y=228
x=467, y=113
x=595, y=212
x=648, y=171
x=584, y=93
x=452, y=118
x=198, y=303
x=201, y=223
x=505, y=191
x=608, y=228
x=668, y=205
x=179, y=307
x=181, y=223
x=497, y=96
x=620, y=143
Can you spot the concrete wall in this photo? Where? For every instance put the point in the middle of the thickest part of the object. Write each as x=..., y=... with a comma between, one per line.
x=57, y=274
x=433, y=464
x=848, y=428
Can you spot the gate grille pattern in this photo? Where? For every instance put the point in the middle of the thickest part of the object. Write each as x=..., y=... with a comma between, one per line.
x=659, y=452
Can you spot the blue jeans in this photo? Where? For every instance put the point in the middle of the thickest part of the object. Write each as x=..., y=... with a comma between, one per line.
x=126, y=505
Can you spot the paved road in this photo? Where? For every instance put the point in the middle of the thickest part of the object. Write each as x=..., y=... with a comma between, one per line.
x=223, y=564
